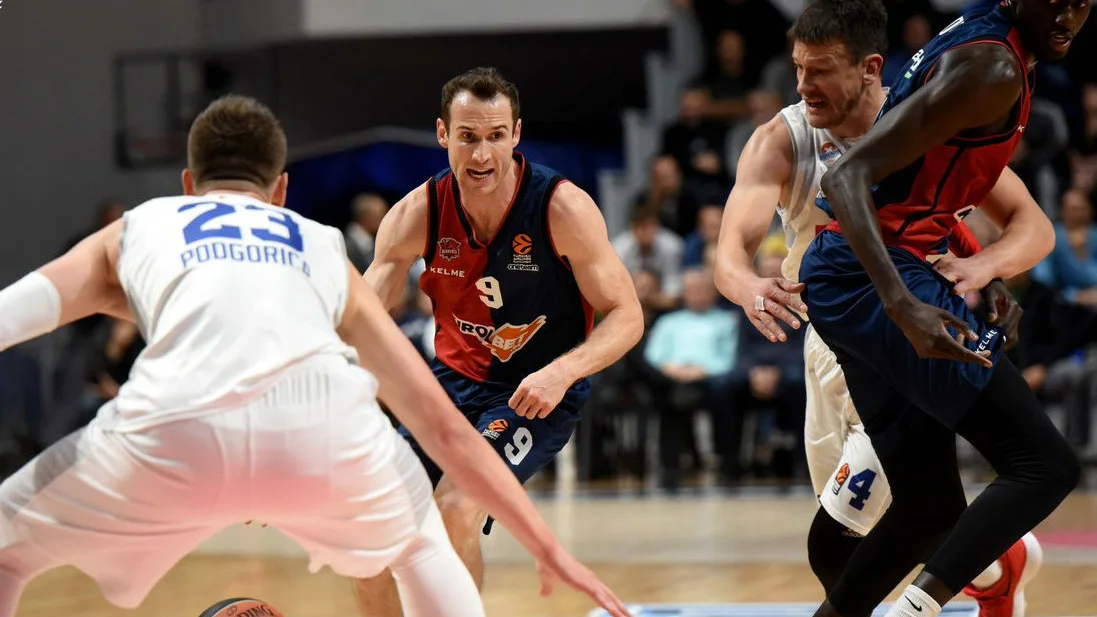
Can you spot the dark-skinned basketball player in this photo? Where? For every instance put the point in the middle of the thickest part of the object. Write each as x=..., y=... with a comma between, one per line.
x=919, y=365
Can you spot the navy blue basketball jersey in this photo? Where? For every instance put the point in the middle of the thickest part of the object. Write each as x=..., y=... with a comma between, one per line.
x=919, y=205
x=506, y=306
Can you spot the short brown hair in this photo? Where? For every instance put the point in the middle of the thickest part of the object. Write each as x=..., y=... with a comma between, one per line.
x=236, y=138
x=859, y=25
x=485, y=83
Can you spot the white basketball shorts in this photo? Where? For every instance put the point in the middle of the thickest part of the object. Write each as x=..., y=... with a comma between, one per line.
x=312, y=455
x=845, y=472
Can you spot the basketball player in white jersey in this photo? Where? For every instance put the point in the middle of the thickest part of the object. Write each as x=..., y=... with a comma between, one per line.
x=248, y=401
x=838, y=49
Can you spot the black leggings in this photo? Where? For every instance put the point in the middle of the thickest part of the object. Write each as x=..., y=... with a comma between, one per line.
x=1036, y=470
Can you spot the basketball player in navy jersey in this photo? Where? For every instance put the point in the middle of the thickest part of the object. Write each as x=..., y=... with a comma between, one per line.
x=518, y=260
x=948, y=128
x=838, y=49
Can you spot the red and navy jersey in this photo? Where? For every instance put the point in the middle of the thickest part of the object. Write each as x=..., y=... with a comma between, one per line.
x=919, y=205
x=504, y=306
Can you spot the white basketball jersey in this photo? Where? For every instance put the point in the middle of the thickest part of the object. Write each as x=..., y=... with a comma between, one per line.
x=813, y=151
x=226, y=290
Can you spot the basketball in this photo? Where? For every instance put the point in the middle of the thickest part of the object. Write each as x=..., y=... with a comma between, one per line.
x=241, y=607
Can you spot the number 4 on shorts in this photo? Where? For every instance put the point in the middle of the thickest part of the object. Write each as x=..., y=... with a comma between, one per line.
x=859, y=485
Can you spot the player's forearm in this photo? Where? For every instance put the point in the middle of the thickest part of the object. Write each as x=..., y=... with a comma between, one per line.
x=847, y=189
x=611, y=339
x=388, y=282
x=734, y=271
x=1026, y=240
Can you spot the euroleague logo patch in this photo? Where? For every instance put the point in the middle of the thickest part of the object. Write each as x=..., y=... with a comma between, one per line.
x=522, y=244
x=841, y=477
x=241, y=607
x=522, y=260
x=496, y=428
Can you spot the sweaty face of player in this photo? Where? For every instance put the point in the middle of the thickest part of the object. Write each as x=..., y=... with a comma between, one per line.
x=480, y=139
x=1048, y=27
x=830, y=83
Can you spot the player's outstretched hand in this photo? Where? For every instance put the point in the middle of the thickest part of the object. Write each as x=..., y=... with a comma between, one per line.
x=779, y=296
x=1003, y=310
x=540, y=392
x=560, y=566
x=927, y=328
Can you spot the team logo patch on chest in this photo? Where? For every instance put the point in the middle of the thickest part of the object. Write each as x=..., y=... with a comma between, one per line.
x=449, y=248
x=503, y=341
x=522, y=260
x=828, y=153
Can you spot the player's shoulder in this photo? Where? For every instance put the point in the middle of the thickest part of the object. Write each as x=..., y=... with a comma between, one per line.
x=540, y=171
x=406, y=224
x=771, y=145
x=415, y=204
x=167, y=202
x=571, y=204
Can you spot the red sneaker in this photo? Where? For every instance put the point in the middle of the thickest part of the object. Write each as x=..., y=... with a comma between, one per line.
x=1006, y=598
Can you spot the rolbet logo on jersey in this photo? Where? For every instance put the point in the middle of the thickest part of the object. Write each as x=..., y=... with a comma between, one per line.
x=503, y=341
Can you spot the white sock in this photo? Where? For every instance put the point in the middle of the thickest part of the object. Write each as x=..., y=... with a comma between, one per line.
x=914, y=603
x=989, y=577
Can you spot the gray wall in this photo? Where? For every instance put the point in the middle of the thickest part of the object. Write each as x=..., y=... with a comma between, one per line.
x=56, y=129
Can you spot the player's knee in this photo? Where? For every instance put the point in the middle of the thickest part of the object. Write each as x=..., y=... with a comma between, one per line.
x=830, y=546
x=461, y=515
x=1063, y=472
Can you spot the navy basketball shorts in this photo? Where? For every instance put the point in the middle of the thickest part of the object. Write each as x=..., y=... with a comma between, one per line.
x=880, y=364
x=525, y=445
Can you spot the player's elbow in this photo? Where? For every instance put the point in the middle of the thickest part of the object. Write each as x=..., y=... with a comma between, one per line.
x=1044, y=233
x=633, y=329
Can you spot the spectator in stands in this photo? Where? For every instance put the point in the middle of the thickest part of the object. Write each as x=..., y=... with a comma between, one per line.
x=694, y=141
x=768, y=380
x=117, y=345
x=414, y=316
x=779, y=78
x=367, y=210
x=728, y=85
x=762, y=25
x=764, y=105
x=692, y=349
x=1083, y=174
x=1046, y=138
x=647, y=245
x=649, y=293
x=1085, y=136
x=1071, y=268
x=1050, y=356
x=106, y=212
x=917, y=31
x=675, y=203
x=706, y=235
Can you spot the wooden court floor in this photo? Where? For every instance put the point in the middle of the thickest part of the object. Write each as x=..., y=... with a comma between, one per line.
x=698, y=549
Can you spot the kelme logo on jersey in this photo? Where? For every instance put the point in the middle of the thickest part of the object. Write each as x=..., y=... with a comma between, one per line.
x=503, y=341
x=448, y=248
